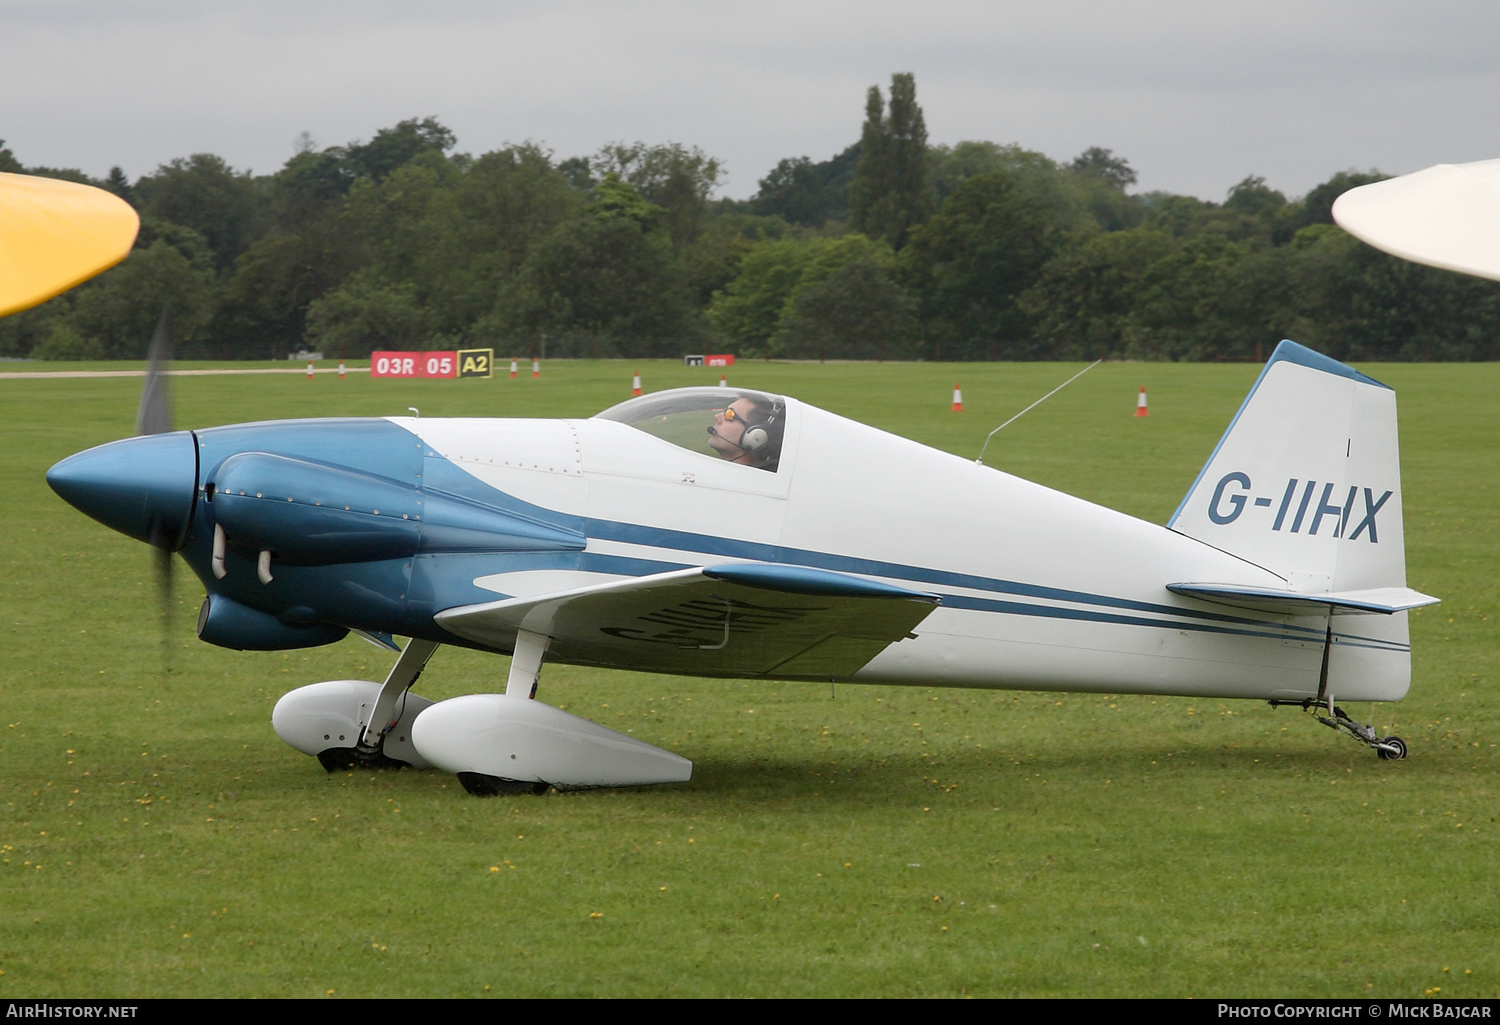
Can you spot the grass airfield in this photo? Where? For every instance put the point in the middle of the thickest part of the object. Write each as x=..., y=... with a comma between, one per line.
x=158, y=840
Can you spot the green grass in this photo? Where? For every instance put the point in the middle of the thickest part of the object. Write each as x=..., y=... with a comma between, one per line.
x=159, y=840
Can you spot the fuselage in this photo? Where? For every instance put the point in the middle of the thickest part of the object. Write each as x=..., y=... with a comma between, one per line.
x=1039, y=590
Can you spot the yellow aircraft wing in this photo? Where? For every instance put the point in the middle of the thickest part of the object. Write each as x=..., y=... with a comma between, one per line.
x=56, y=234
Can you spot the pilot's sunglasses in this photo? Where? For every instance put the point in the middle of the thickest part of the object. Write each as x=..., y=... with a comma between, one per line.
x=730, y=416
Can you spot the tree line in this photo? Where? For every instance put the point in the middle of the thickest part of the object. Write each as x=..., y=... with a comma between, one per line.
x=892, y=249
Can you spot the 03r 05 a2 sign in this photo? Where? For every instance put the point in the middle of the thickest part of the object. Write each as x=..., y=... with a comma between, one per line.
x=453, y=363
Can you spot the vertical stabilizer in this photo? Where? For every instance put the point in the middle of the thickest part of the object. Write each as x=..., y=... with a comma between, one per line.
x=1306, y=483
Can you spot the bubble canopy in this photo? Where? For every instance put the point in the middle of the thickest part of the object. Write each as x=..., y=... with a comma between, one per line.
x=733, y=424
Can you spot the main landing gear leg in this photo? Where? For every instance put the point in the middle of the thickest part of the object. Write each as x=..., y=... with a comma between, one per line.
x=403, y=674
x=369, y=753
x=525, y=669
x=1389, y=748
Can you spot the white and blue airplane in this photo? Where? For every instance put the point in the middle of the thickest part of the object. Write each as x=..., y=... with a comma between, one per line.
x=734, y=533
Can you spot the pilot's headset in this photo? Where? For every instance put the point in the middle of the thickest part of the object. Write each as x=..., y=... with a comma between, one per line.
x=757, y=438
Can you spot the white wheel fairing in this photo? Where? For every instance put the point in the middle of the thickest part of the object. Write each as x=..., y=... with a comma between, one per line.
x=333, y=714
x=517, y=738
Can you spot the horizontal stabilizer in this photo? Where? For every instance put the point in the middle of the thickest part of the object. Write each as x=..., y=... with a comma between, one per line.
x=1385, y=600
x=744, y=619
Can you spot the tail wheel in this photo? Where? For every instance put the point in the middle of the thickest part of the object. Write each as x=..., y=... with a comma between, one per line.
x=1392, y=749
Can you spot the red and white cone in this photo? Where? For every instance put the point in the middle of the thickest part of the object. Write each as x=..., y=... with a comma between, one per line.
x=635, y=383
x=309, y=371
x=536, y=368
x=723, y=381
x=1140, y=403
x=341, y=370
x=958, y=400
x=512, y=368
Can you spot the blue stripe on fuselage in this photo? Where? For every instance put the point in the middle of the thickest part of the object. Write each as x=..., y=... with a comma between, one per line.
x=658, y=537
x=1210, y=622
x=453, y=478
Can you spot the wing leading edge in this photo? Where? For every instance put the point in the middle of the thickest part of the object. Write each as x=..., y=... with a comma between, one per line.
x=743, y=619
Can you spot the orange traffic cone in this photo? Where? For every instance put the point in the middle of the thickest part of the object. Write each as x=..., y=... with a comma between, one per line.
x=635, y=383
x=536, y=368
x=309, y=371
x=1140, y=403
x=723, y=381
x=512, y=368
x=341, y=370
x=958, y=400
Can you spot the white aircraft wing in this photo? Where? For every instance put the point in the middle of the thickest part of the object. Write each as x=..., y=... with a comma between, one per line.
x=1446, y=216
x=1387, y=600
x=742, y=619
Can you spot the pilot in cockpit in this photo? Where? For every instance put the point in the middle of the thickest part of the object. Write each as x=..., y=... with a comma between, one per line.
x=749, y=432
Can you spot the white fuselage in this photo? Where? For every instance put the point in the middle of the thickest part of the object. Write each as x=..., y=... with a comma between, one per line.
x=1039, y=590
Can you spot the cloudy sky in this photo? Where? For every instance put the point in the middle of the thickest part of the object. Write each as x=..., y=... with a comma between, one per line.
x=1196, y=95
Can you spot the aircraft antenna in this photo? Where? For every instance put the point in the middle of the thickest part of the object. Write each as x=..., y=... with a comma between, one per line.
x=1029, y=408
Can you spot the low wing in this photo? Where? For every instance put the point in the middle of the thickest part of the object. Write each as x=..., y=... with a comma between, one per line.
x=745, y=619
x=1385, y=600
